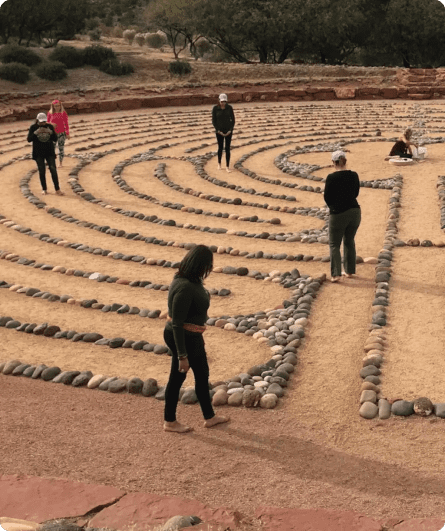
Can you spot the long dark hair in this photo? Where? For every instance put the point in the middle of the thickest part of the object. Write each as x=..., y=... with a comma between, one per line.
x=196, y=265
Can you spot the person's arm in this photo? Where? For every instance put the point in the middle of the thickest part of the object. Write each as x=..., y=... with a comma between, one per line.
x=233, y=117
x=356, y=185
x=214, y=119
x=327, y=194
x=31, y=133
x=181, y=303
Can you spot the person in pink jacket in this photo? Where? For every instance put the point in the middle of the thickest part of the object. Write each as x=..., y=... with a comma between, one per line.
x=59, y=118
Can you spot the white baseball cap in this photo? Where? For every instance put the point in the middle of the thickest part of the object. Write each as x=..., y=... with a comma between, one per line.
x=223, y=97
x=337, y=155
x=41, y=117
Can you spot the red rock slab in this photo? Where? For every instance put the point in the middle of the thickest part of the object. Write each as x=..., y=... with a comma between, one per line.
x=141, y=510
x=344, y=93
x=421, y=524
x=40, y=499
x=314, y=520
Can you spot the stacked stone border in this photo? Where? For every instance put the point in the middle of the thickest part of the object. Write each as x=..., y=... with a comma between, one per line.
x=209, y=98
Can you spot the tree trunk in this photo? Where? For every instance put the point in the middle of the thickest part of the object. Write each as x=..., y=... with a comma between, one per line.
x=263, y=55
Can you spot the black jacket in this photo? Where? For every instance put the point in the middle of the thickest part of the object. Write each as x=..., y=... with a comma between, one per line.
x=223, y=119
x=341, y=190
x=43, y=141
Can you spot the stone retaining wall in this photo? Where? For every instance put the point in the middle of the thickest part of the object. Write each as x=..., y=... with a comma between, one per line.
x=179, y=100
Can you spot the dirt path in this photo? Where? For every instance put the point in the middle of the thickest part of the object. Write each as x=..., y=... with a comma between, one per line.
x=313, y=450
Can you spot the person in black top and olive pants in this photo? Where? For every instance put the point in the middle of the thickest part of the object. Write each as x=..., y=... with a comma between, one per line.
x=188, y=302
x=340, y=194
x=43, y=136
x=223, y=119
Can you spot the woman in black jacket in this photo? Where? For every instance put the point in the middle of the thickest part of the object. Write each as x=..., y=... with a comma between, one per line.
x=43, y=136
x=340, y=194
x=223, y=119
x=188, y=302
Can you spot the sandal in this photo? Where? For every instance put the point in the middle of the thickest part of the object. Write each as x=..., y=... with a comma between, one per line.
x=335, y=279
x=44, y=192
x=59, y=192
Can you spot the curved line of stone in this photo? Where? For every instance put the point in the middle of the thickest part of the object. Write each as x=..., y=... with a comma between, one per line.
x=55, y=332
x=100, y=277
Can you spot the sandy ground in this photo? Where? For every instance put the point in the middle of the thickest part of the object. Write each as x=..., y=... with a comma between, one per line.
x=313, y=450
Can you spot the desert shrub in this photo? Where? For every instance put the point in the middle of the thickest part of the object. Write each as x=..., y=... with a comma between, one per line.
x=129, y=36
x=19, y=54
x=203, y=47
x=155, y=40
x=139, y=38
x=96, y=54
x=113, y=67
x=95, y=34
x=218, y=56
x=51, y=70
x=68, y=55
x=179, y=68
x=118, y=32
x=16, y=72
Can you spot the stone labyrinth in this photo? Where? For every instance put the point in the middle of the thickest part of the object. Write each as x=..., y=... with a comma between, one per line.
x=85, y=277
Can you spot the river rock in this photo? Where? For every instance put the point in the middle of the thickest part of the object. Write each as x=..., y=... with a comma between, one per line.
x=251, y=398
x=276, y=390
x=402, y=408
x=189, y=396
x=10, y=366
x=150, y=387
x=384, y=409
x=269, y=401
x=220, y=398
x=423, y=406
x=118, y=385
x=105, y=384
x=82, y=379
x=368, y=396
x=96, y=381
x=235, y=399
x=368, y=410
x=50, y=373
x=134, y=386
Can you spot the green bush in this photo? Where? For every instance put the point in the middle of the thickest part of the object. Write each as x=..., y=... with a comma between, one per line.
x=95, y=34
x=113, y=67
x=179, y=68
x=68, y=55
x=154, y=40
x=16, y=72
x=18, y=54
x=96, y=54
x=52, y=71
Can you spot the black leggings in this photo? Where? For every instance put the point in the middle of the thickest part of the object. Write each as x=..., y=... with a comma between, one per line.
x=52, y=168
x=194, y=344
x=220, y=140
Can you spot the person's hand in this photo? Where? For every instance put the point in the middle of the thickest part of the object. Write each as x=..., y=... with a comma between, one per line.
x=184, y=365
x=67, y=137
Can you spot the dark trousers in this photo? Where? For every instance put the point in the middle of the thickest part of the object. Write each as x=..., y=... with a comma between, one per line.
x=194, y=343
x=343, y=227
x=402, y=155
x=52, y=168
x=228, y=140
